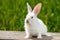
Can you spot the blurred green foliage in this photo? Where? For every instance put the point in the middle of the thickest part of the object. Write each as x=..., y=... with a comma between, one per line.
x=13, y=13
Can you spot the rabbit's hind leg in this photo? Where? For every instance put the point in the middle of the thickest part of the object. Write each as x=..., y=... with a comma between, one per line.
x=47, y=34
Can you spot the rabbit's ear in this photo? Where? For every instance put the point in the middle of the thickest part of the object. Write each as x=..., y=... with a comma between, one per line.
x=37, y=8
x=29, y=8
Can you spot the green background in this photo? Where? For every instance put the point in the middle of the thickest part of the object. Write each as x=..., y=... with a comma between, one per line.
x=13, y=13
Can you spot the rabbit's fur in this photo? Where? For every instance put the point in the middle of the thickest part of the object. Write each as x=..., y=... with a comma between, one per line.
x=34, y=25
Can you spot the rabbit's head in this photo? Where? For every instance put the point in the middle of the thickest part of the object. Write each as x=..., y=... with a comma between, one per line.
x=32, y=14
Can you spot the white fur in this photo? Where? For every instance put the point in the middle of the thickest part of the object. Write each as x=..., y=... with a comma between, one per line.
x=35, y=25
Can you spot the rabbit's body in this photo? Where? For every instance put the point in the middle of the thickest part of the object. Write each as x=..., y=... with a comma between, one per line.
x=35, y=28
x=33, y=25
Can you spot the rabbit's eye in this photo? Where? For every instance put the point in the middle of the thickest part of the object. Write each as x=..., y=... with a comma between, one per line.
x=32, y=17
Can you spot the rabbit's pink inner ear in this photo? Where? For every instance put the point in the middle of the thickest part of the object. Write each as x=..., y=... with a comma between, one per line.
x=37, y=8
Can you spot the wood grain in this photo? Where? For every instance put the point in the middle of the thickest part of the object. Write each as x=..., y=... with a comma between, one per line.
x=18, y=35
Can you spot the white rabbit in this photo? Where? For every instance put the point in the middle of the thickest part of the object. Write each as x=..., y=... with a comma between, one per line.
x=34, y=25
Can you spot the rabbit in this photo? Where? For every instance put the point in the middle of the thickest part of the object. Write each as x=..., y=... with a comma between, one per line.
x=32, y=24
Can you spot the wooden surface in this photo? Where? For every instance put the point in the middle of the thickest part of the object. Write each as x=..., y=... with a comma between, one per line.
x=17, y=35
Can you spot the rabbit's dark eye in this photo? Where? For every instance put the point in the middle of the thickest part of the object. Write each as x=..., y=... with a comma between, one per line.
x=32, y=17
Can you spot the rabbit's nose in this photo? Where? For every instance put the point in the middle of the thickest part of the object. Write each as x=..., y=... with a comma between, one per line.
x=27, y=21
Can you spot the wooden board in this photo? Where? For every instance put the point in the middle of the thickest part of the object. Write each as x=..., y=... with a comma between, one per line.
x=18, y=35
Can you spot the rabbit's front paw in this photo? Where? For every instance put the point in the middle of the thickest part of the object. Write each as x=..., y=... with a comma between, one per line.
x=27, y=37
x=39, y=37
